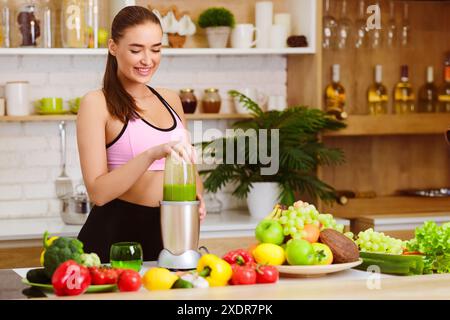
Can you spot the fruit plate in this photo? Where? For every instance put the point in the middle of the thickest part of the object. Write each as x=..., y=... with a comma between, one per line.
x=91, y=289
x=317, y=270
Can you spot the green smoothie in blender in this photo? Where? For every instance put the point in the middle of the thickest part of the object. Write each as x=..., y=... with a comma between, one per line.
x=179, y=180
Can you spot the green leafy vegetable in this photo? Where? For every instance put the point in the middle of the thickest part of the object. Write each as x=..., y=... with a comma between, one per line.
x=434, y=242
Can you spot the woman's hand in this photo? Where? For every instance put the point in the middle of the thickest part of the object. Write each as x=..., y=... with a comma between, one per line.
x=202, y=207
x=177, y=149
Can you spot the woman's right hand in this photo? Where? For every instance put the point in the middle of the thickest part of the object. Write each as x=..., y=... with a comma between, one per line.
x=177, y=149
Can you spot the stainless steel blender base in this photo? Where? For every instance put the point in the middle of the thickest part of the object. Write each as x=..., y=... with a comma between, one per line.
x=185, y=261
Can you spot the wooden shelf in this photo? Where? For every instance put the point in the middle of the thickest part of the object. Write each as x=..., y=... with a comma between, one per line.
x=410, y=124
x=165, y=51
x=72, y=117
x=388, y=205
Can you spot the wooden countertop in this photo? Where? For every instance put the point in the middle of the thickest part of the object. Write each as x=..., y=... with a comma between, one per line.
x=349, y=285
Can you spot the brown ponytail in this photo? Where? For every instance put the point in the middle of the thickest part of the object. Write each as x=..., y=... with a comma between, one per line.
x=120, y=103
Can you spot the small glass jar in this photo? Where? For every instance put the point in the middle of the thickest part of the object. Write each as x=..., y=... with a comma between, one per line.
x=212, y=204
x=28, y=23
x=74, y=23
x=188, y=100
x=211, y=101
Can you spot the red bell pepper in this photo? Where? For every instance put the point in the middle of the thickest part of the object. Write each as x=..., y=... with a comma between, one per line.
x=240, y=257
x=266, y=274
x=245, y=274
x=71, y=279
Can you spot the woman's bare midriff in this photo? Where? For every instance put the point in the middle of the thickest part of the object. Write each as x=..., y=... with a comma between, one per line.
x=147, y=191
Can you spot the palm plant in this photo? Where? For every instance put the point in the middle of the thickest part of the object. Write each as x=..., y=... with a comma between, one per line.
x=300, y=153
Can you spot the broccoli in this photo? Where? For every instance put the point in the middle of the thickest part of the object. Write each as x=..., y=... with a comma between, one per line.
x=61, y=250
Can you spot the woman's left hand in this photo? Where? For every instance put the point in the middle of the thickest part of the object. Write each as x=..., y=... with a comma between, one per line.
x=202, y=207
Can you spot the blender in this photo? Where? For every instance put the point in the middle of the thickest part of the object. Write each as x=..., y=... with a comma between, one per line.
x=180, y=220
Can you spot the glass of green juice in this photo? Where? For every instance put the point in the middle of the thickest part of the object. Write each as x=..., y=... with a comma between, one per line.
x=126, y=255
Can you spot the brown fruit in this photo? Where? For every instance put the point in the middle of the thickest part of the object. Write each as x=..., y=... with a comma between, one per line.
x=344, y=250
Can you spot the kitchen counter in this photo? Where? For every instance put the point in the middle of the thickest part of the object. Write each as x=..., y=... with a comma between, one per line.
x=349, y=284
x=233, y=223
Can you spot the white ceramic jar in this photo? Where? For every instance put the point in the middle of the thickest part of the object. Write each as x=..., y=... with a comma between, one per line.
x=17, y=98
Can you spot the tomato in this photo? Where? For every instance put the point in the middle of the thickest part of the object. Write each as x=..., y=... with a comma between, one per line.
x=311, y=233
x=129, y=280
x=324, y=255
x=103, y=275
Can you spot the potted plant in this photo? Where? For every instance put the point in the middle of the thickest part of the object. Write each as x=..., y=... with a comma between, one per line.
x=218, y=22
x=300, y=154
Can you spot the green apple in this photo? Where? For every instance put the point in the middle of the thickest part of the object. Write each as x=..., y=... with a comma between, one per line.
x=300, y=252
x=269, y=231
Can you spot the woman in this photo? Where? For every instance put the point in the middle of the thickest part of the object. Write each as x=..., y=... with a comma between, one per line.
x=124, y=132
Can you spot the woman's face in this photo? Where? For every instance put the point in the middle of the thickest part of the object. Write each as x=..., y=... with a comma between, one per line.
x=138, y=52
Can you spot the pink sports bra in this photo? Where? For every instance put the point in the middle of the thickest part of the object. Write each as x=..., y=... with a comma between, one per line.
x=139, y=135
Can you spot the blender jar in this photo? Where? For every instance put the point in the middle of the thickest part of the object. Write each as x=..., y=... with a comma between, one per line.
x=179, y=180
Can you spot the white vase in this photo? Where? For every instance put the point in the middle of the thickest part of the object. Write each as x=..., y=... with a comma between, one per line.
x=218, y=36
x=262, y=198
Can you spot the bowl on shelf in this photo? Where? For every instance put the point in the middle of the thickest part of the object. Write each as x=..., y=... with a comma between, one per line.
x=49, y=105
x=74, y=105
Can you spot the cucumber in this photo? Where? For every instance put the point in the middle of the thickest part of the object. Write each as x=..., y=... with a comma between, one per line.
x=38, y=276
x=393, y=264
x=182, y=284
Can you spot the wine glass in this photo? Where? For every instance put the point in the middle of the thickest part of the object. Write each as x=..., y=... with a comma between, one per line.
x=126, y=255
x=405, y=31
x=375, y=35
x=329, y=27
x=344, y=27
x=361, y=27
x=391, y=30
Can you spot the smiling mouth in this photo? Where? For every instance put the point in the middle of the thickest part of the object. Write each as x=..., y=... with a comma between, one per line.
x=143, y=71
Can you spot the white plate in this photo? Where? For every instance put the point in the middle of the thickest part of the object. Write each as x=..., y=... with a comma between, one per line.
x=317, y=270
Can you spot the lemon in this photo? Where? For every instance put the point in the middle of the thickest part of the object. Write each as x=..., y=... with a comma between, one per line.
x=269, y=253
x=159, y=279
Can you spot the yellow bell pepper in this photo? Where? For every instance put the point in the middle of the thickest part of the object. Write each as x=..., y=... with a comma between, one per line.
x=216, y=271
x=47, y=242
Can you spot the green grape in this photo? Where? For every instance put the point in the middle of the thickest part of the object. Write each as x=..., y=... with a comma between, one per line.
x=286, y=231
x=292, y=215
x=283, y=219
x=292, y=230
x=378, y=242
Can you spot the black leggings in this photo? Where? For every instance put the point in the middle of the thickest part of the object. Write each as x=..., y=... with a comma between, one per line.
x=121, y=221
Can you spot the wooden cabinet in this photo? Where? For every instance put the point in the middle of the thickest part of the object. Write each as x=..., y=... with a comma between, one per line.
x=391, y=152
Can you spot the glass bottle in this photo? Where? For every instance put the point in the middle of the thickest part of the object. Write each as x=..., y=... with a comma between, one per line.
x=444, y=90
x=5, y=26
x=404, y=94
x=188, y=100
x=28, y=23
x=48, y=20
x=74, y=29
x=179, y=179
x=428, y=95
x=335, y=93
x=211, y=101
x=377, y=95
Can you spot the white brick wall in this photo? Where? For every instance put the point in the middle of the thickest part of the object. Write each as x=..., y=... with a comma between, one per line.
x=30, y=152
